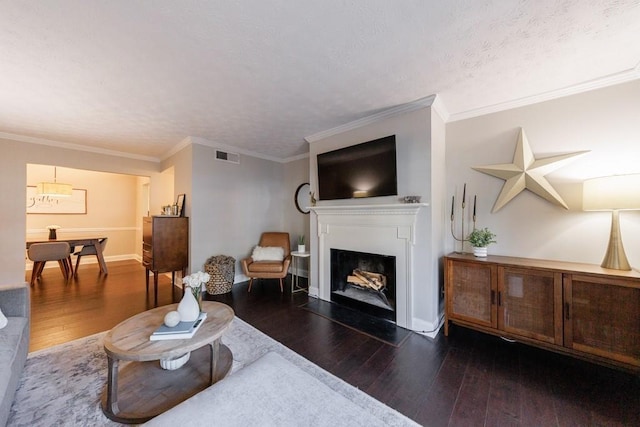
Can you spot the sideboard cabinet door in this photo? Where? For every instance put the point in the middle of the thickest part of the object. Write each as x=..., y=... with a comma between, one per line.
x=602, y=317
x=530, y=303
x=471, y=292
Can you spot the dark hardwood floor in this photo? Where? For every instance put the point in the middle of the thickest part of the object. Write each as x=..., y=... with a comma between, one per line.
x=466, y=379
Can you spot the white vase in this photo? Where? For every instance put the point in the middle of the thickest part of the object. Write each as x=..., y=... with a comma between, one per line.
x=172, y=364
x=302, y=248
x=188, y=307
x=480, y=252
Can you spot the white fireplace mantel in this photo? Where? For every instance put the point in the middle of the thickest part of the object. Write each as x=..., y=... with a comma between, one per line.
x=387, y=209
x=386, y=229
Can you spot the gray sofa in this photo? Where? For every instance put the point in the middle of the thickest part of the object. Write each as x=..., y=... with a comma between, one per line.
x=14, y=343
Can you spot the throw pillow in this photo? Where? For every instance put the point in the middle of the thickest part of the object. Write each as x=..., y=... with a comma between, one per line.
x=3, y=320
x=268, y=253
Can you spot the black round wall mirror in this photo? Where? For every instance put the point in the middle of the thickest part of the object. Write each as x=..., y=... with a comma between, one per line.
x=302, y=198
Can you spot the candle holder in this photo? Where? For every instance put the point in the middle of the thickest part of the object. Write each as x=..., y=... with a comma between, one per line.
x=463, y=237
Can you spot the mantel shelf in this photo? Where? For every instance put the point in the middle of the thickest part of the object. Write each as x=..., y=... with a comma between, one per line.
x=388, y=209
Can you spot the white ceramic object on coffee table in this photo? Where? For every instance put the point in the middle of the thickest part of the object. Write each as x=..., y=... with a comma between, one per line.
x=172, y=364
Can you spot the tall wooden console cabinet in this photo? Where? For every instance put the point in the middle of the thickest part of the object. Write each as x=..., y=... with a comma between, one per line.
x=578, y=309
x=165, y=247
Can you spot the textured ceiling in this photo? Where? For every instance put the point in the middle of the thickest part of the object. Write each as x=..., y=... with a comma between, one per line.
x=141, y=76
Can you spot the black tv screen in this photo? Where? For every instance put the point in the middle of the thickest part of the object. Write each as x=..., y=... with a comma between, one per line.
x=363, y=170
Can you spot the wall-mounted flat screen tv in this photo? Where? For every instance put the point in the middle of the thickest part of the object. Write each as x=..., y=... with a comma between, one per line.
x=363, y=170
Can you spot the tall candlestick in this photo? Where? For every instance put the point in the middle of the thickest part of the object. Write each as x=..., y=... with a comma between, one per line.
x=464, y=193
x=453, y=198
x=474, y=207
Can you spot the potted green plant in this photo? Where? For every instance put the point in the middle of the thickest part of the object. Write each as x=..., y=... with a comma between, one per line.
x=301, y=245
x=480, y=238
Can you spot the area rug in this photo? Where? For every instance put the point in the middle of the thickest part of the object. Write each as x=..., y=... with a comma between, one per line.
x=62, y=385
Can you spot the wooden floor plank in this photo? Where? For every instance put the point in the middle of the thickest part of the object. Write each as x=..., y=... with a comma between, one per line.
x=467, y=378
x=504, y=405
x=441, y=395
x=471, y=405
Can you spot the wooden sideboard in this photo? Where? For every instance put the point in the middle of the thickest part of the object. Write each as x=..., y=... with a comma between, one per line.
x=578, y=309
x=165, y=247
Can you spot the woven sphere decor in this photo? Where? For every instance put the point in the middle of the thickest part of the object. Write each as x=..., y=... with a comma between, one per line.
x=221, y=269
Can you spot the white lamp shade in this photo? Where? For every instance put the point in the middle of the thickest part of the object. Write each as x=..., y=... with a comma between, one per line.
x=54, y=189
x=618, y=192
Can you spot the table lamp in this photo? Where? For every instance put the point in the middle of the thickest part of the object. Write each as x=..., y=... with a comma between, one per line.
x=613, y=193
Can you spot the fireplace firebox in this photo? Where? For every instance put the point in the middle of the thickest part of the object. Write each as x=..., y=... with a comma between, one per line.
x=365, y=282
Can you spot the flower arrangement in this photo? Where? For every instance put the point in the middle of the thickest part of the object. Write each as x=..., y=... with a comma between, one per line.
x=481, y=237
x=301, y=239
x=195, y=282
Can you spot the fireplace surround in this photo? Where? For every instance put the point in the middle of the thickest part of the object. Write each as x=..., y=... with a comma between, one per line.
x=388, y=229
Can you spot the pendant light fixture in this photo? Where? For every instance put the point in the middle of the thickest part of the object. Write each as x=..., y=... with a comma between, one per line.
x=54, y=189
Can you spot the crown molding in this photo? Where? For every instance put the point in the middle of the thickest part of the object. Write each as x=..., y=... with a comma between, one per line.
x=610, y=80
x=386, y=114
x=179, y=146
x=439, y=107
x=69, y=146
x=295, y=158
x=202, y=141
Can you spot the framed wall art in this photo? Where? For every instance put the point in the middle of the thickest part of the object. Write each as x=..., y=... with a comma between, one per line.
x=74, y=205
x=180, y=203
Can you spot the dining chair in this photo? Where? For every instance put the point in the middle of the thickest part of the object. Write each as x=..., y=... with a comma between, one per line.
x=40, y=253
x=90, y=250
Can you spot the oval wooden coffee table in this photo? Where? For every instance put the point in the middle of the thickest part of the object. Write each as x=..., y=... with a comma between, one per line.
x=141, y=389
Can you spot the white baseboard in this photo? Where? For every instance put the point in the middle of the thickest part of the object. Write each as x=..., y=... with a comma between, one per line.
x=88, y=260
x=429, y=329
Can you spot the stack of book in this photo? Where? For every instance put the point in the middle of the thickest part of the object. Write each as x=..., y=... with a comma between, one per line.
x=179, y=332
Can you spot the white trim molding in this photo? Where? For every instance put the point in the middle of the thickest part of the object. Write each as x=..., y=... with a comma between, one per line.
x=77, y=147
x=381, y=229
x=398, y=110
x=602, y=82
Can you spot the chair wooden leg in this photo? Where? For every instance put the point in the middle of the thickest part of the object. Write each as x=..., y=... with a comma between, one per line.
x=39, y=268
x=69, y=265
x=250, y=283
x=77, y=265
x=281, y=289
x=34, y=272
x=64, y=268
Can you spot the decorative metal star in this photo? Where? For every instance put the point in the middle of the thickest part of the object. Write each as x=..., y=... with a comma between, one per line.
x=527, y=173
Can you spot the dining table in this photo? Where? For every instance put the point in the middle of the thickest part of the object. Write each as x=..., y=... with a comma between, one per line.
x=78, y=241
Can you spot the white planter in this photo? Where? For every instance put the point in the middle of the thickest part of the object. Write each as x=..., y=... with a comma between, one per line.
x=302, y=248
x=480, y=252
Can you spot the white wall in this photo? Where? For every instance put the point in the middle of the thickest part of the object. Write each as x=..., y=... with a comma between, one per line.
x=13, y=180
x=296, y=173
x=604, y=121
x=228, y=205
x=232, y=204
x=420, y=161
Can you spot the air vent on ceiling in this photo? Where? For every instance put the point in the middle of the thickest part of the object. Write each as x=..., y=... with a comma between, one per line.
x=228, y=157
